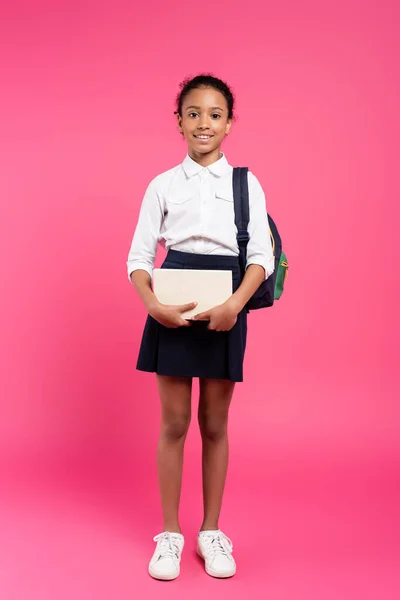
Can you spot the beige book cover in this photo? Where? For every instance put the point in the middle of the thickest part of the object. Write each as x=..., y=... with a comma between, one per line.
x=180, y=286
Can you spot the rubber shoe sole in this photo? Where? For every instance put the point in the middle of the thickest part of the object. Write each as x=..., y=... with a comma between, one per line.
x=214, y=573
x=162, y=577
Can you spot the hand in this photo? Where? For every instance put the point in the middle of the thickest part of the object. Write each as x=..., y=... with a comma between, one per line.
x=222, y=317
x=170, y=315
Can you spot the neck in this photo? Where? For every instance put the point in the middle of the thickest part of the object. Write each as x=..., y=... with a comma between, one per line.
x=205, y=160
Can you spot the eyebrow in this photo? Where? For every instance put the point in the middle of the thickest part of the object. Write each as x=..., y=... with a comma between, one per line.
x=212, y=108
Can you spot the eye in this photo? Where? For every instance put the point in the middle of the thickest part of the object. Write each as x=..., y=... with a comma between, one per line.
x=217, y=115
x=193, y=113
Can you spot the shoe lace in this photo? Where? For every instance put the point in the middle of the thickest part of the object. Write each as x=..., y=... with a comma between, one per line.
x=167, y=545
x=219, y=544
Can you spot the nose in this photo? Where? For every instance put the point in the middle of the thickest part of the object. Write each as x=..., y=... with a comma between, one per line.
x=203, y=123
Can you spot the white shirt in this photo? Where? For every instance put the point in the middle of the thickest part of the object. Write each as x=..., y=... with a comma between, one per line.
x=190, y=208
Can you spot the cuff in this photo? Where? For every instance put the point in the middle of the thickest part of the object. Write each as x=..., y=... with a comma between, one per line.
x=268, y=266
x=139, y=267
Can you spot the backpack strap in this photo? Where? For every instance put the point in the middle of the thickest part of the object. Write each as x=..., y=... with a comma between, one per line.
x=242, y=211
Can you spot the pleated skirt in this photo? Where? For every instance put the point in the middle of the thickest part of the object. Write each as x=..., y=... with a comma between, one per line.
x=196, y=351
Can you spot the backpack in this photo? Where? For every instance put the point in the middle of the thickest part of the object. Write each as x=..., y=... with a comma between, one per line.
x=272, y=288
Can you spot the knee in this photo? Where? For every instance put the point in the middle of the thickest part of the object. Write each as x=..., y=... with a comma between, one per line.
x=212, y=429
x=175, y=427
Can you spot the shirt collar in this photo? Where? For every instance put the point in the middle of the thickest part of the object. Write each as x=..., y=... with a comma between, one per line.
x=218, y=168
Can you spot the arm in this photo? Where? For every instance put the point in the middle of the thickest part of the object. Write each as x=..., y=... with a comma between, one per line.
x=169, y=316
x=253, y=278
x=141, y=261
x=142, y=282
x=224, y=316
x=143, y=249
x=259, y=248
x=259, y=266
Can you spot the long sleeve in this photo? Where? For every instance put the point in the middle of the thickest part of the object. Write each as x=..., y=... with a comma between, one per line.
x=143, y=249
x=259, y=248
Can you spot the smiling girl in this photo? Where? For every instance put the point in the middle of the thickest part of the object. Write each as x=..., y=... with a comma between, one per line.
x=189, y=209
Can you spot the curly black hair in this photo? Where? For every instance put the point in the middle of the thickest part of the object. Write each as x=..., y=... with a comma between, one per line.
x=202, y=81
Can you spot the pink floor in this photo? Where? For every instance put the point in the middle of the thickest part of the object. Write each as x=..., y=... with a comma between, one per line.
x=327, y=530
x=86, y=110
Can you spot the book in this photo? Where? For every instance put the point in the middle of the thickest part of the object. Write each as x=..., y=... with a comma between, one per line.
x=179, y=286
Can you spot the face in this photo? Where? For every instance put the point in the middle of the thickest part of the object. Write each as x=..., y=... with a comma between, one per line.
x=204, y=121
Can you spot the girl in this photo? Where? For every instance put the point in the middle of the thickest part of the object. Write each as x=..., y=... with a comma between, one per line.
x=189, y=209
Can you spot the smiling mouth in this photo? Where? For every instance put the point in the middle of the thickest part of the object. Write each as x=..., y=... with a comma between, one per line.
x=203, y=136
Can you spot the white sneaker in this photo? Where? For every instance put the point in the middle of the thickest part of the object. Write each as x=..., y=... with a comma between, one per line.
x=165, y=562
x=216, y=550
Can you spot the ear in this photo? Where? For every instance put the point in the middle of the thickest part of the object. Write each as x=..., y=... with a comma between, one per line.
x=228, y=126
x=179, y=120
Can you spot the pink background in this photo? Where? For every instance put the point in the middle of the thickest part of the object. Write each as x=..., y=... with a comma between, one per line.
x=87, y=120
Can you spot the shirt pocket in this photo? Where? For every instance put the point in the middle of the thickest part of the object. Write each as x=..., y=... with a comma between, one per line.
x=223, y=212
x=224, y=193
x=181, y=196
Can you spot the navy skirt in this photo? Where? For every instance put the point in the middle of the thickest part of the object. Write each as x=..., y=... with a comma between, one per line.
x=196, y=351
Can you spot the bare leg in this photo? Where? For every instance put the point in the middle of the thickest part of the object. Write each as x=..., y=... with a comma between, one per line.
x=175, y=395
x=215, y=399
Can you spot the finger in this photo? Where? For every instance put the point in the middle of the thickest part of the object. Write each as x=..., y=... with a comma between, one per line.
x=185, y=323
x=211, y=327
x=204, y=316
x=185, y=307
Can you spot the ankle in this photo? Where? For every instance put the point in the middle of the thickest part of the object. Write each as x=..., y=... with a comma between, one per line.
x=209, y=527
x=172, y=528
